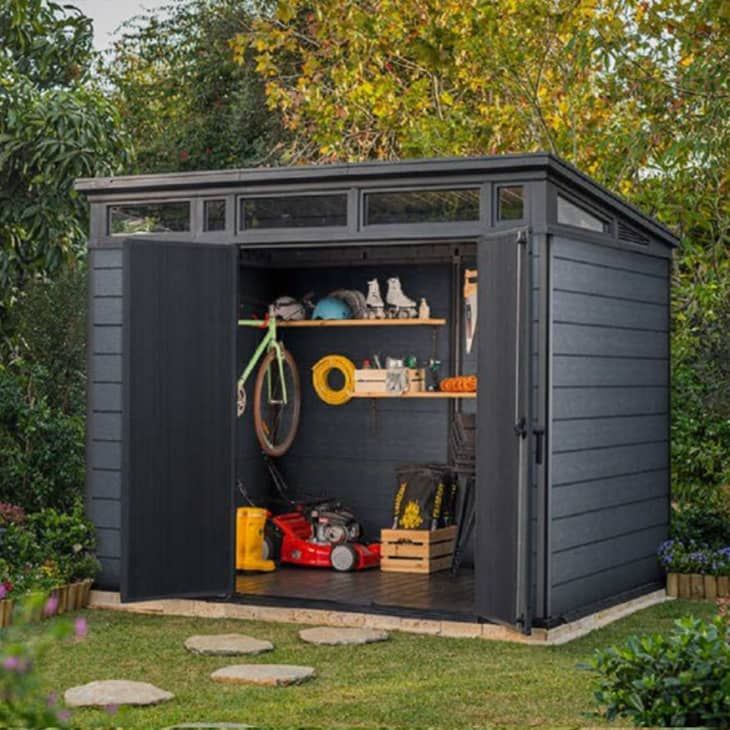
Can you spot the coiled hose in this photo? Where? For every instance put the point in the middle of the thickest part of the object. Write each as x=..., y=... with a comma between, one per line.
x=320, y=379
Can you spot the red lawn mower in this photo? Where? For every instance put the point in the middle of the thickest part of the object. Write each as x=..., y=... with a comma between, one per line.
x=317, y=534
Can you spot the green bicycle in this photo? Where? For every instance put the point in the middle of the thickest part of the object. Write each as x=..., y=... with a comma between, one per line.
x=277, y=393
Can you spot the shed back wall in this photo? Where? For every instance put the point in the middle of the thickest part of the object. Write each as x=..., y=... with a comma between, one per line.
x=351, y=452
x=610, y=421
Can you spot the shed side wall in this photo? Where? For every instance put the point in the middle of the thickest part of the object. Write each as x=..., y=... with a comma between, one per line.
x=610, y=422
x=104, y=428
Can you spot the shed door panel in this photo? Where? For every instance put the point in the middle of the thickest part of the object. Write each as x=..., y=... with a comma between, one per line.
x=180, y=316
x=501, y=495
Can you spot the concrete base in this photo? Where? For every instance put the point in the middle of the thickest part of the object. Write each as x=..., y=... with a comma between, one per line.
x=452, y=629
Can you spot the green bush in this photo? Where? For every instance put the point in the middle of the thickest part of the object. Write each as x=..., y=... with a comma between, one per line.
x=51, y=548
x=706, y=522
x=41, y=447
x=679, y=680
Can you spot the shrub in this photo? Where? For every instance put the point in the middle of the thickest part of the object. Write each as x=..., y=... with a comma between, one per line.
x=49, y=549
x=678, y=557
x=705, y=522
x=41, y=448
x=25, y=704
x=11, y=514
x=678, y=680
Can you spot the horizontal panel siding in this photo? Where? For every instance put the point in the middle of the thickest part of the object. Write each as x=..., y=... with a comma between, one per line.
x=104, y=423
x=105, y=426
x=636, y=573
x=602, y=432
x=591, y=370
x=110, y=574
x=107, y=340
x=106, y=513
x=105, y=484
x=108, y=542
x=106, y=368
x=575, y=339
x=588, y=309
x=604, y=523
x=107, y=310
x=597, y=557
x=581, y=402
x=610, y=422
x=596, y=280
x=610, y=257
x=589, y=464
x=570, y=499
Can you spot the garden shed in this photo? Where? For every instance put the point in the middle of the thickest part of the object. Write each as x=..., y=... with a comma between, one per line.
x=570, y=346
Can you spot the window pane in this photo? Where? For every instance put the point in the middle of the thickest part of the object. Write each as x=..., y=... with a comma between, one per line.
x=214, y=215
x=294, y=211
x=573, y=215
x=511, y=203
x=127, y=220
x=422, y=206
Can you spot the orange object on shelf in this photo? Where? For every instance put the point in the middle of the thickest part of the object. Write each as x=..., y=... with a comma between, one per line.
x=459, y=384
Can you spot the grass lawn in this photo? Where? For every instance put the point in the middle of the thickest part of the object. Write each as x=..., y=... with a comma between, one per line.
x=408, y=682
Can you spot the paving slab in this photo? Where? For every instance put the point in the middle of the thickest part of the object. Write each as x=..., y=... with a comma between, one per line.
x=341, y=636
x=226, y=645
x=269, y=675
x=115, y=692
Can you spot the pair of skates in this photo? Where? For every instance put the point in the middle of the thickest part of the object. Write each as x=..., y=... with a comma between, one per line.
x=399, y=306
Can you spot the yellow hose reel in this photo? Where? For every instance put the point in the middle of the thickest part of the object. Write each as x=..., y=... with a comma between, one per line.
x=320, y=379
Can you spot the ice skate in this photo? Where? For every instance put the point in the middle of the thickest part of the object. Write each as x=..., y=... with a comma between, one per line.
x=399, y=305
x=374, y=301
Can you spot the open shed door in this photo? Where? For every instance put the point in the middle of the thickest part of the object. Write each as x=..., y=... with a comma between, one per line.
x=502, y=519
x=179, y=419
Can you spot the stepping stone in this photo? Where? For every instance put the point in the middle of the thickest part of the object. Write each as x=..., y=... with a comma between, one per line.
x=227, y=645
x=270, y=675
x=329, y=636
x=115, y=692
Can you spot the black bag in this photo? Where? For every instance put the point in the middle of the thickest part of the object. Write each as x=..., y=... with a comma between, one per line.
x=425, y=498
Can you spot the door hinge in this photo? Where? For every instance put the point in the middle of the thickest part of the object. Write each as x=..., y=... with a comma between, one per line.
x=522, y=237
x=521, y=428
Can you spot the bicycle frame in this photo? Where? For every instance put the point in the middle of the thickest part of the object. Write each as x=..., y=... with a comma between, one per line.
x=268, y=342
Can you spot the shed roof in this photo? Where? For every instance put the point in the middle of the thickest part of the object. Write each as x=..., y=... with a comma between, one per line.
x=310, y=175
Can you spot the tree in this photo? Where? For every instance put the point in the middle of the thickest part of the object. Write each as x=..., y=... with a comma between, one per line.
x=637, y=94
x=185, y=103
x=55, y=126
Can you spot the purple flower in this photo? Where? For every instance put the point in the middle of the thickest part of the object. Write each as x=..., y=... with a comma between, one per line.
x=3, y=591
x=81, y=627
x=52, y=699
x=111, y=709
x=51, y=606
x=64, y=715
x=16, y=664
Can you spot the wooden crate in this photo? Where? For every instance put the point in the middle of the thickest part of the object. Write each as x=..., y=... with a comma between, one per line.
x=372, y=380
x=417, y=551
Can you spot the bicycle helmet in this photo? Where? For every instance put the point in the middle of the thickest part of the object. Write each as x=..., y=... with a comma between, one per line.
x=331, y=308
x=288, y=309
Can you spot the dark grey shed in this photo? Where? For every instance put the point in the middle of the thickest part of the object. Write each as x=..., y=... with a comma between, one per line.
x=573, y=471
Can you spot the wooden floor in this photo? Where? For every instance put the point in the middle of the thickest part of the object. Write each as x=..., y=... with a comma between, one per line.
x=438, y=594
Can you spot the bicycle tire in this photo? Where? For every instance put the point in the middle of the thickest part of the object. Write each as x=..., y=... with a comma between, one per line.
x=295, y=401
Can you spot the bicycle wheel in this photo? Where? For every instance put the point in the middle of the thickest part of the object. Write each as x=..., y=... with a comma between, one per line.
x=276, y=422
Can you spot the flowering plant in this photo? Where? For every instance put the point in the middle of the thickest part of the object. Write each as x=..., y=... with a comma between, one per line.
x=10, y=514
x=24, y=704
x=676, y=556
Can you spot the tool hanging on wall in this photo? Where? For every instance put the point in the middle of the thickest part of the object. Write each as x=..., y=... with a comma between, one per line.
x=320, y=379
x=470, y=306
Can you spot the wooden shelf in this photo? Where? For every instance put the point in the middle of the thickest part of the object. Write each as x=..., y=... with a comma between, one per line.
x=415, y=394
x=363, y=323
